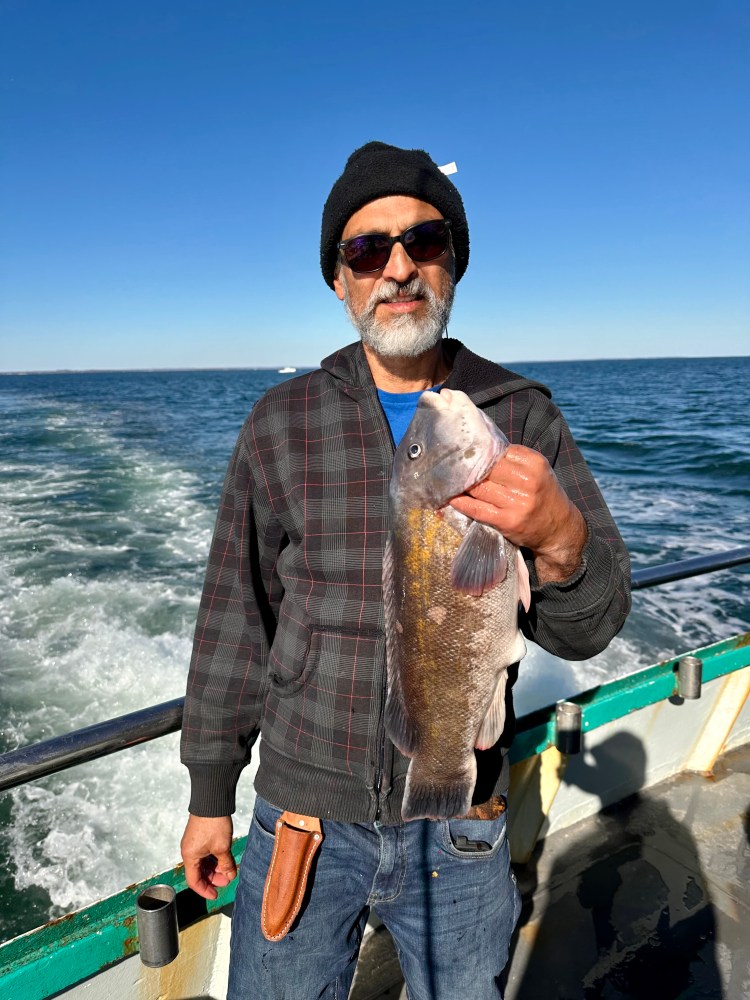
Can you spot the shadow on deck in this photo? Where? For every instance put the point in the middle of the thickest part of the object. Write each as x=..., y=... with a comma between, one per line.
x=649, y=898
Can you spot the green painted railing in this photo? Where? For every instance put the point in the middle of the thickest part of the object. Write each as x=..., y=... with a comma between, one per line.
x=64, y=952
x=536, y=732
x=56, y=956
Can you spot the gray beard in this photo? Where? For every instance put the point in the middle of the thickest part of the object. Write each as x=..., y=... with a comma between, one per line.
x=404, y=336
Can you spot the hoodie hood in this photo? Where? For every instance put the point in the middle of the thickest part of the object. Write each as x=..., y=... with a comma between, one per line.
x=483, y=381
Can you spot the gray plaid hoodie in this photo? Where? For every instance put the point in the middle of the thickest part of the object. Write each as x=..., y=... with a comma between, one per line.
x=289, y=642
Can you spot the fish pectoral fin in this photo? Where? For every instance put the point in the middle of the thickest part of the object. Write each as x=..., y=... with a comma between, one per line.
x=494, y=721
x=480, y=563
x=524, y=585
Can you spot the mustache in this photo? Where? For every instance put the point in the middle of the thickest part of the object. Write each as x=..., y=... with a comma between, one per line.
x=392, y=291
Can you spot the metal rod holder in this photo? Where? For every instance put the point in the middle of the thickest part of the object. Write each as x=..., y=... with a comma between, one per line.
x=156, y=914
x=568, y=722
x=689, y=677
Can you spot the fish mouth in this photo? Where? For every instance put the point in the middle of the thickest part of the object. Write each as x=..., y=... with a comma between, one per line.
x=430, y=400
x=447, y=399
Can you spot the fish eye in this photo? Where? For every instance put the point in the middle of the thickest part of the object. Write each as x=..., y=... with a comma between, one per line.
x=415, y=450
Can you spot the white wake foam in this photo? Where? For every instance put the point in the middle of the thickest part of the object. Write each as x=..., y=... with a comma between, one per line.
x=102, y=547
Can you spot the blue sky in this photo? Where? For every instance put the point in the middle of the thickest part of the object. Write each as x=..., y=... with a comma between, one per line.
x=166, y=162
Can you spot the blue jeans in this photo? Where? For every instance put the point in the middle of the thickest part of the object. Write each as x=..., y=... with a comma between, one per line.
x=451, y=913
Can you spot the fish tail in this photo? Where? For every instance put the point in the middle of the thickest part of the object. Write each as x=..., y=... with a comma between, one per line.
x=428, y=797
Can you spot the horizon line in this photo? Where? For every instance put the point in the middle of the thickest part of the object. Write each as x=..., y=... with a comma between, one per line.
x=305, y=367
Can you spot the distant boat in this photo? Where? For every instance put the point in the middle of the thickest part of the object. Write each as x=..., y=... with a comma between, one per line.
x=286, y=370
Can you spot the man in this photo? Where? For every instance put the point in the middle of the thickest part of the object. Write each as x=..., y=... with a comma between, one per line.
x=290, y=644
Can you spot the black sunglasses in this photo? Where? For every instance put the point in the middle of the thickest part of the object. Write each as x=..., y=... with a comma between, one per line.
x=424, y=242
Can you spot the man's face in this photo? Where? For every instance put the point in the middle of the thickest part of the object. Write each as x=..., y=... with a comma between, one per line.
x=402, y=309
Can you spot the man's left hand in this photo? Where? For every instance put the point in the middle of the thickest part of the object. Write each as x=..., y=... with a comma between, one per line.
x=522, y=498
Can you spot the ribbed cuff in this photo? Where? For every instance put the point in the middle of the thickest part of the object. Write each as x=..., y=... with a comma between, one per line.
x=212, y=788
x=307, y=788
x=587, y=586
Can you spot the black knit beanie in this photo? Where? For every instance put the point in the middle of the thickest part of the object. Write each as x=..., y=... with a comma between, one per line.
x=377, y=170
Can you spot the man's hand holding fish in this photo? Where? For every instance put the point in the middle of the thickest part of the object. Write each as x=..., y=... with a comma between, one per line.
x=523, y=499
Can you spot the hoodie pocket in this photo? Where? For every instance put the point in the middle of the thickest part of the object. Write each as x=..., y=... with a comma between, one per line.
x=292, y=652
x=337, y=661
x=327, y=713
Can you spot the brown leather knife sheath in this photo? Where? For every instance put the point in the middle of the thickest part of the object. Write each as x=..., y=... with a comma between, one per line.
x=297, y=839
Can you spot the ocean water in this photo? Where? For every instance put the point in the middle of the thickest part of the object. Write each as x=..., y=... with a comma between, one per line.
x=108, y=490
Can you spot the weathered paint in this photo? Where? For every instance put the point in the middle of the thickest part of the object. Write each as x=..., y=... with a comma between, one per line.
x=735, y=691
x=62, y=952
x=532, y=791
x=192, y=972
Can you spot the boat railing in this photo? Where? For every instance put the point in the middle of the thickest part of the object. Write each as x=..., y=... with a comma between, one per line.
x=37, y=760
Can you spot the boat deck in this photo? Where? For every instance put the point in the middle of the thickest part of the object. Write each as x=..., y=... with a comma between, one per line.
x=648, y=898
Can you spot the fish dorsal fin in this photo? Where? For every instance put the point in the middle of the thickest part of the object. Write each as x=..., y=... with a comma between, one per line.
x=397, y=722
x=494, y=721
x=480, y=563
x=524, y=585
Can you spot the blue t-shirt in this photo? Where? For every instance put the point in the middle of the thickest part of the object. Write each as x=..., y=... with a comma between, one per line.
x=400, y=408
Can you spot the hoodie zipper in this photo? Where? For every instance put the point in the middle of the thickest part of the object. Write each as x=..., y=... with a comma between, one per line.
x=349, y=369
x=379, y=774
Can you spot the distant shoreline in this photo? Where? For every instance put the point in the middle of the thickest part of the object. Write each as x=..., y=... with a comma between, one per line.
x=141, y=371
x=300, y=369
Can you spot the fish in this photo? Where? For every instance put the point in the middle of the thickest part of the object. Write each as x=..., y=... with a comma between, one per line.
x=451, y=588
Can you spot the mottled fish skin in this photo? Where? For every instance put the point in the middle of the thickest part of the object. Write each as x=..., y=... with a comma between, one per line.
x=447, y=651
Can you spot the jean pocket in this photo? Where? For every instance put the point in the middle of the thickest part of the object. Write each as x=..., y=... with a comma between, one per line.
x=473, y=839
x=264, y=819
